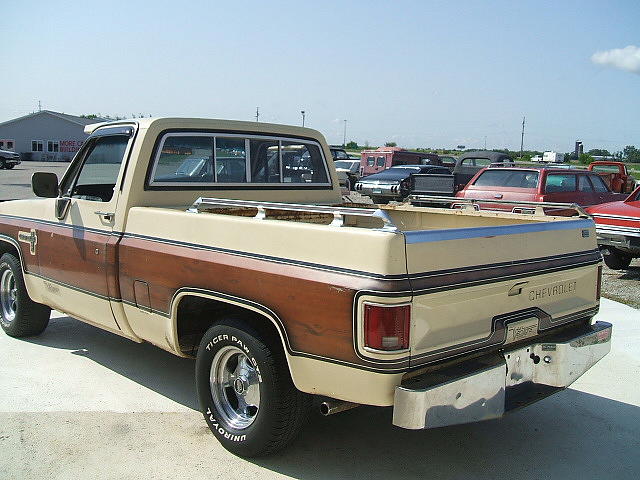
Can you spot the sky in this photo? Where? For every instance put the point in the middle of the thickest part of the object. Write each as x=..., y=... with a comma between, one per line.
x=418, y=73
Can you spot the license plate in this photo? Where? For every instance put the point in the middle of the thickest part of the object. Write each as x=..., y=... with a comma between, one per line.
x=376, y=190
x=522, y=329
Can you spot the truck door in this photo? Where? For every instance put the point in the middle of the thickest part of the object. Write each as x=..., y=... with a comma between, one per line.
x=76, y=244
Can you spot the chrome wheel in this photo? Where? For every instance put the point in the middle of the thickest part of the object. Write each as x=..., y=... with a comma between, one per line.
x=235, y=387
x=8, y=295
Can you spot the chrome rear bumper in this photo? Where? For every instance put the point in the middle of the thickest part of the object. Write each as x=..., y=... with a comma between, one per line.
x=488, y=387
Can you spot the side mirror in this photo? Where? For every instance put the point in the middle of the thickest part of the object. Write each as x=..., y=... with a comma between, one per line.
x=45, y=184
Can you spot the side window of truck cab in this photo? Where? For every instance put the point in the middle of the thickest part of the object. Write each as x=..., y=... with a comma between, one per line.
x=96, y=174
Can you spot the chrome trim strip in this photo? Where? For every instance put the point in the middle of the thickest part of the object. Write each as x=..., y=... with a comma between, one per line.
x=425, y=236
x=616, y=217
x=616, y=230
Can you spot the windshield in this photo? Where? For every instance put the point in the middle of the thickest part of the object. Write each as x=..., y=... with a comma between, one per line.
x=606, y=168
x=346, y=165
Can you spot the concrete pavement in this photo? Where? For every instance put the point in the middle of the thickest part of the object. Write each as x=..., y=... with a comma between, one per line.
x=80, y=402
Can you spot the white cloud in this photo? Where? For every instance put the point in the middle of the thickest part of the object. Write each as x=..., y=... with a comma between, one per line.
x=627, y=58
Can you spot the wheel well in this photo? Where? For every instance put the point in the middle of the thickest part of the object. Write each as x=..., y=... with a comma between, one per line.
x=195, y=315
x=6, y=247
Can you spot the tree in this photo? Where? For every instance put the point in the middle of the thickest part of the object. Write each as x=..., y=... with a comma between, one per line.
x=351, y=145
x=631, y=154
x=585, y=158
x=391, y=144
x=91, y=116
x=599, y=152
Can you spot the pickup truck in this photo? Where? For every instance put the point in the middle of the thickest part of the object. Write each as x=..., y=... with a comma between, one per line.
x=464, y=169
x=283, y=295
x=9, y=159
x=615, y=175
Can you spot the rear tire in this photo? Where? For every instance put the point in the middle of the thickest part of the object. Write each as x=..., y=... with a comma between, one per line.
x=19, y=315
x=9, y=167
x=616, y=259
x=245, y=391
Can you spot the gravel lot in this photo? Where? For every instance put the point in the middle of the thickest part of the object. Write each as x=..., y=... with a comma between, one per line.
x=622, y=286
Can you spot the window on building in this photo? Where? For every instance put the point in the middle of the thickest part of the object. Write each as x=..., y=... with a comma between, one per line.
x=1, y=144
x=53, y=146
x=36, y=145
x=10, y=144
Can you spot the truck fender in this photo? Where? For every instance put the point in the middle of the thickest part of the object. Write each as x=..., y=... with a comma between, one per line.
x=243, y=303
x=4, y=240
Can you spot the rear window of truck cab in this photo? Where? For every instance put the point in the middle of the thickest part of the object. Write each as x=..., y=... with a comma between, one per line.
x=200, y=159
x=508, y=178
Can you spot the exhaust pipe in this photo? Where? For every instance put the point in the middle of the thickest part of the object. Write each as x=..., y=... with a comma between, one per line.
x=329, y=407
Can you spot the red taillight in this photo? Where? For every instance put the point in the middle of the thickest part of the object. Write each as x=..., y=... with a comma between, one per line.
x=387, y=328
x=599, y=284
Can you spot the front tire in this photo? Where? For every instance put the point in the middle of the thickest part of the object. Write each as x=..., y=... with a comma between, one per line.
x=19, y=315
x=616, y=259
x=245, y=391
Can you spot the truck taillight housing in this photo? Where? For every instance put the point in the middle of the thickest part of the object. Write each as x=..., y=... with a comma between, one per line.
x=386, y=327
x=599, y=284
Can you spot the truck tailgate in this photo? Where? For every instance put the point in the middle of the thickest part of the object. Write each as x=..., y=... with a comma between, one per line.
x=471, y=284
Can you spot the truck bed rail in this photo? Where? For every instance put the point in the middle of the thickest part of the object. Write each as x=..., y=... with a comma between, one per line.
x=339, y=213
x=473, y=203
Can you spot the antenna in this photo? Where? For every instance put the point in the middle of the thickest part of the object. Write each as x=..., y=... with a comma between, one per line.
x=39, y=106
x=257, y=114
x=344, y=137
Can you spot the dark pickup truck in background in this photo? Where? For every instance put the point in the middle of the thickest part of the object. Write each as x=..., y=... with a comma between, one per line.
x=466, y=167
x=9, y=159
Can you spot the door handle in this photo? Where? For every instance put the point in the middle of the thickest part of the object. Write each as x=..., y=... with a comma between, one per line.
x=106, y=215
x=498, y=195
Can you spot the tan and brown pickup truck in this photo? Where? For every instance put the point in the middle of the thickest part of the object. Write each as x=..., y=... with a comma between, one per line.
x=226, y=241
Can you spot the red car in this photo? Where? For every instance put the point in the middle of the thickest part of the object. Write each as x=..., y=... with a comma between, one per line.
x=537, y=184
x=618, y=229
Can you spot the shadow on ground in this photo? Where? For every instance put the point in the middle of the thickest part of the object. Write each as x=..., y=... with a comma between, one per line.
x=569, y=435
x=145, y=364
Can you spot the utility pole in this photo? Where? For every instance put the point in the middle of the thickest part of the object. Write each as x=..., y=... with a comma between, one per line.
x=39, y=106
x=522, y=138
x=344, y=136
x=257, y=114
x=302, y=112
x=485, y=142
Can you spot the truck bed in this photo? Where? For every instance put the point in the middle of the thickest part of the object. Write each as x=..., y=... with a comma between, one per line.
x=467, y=273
